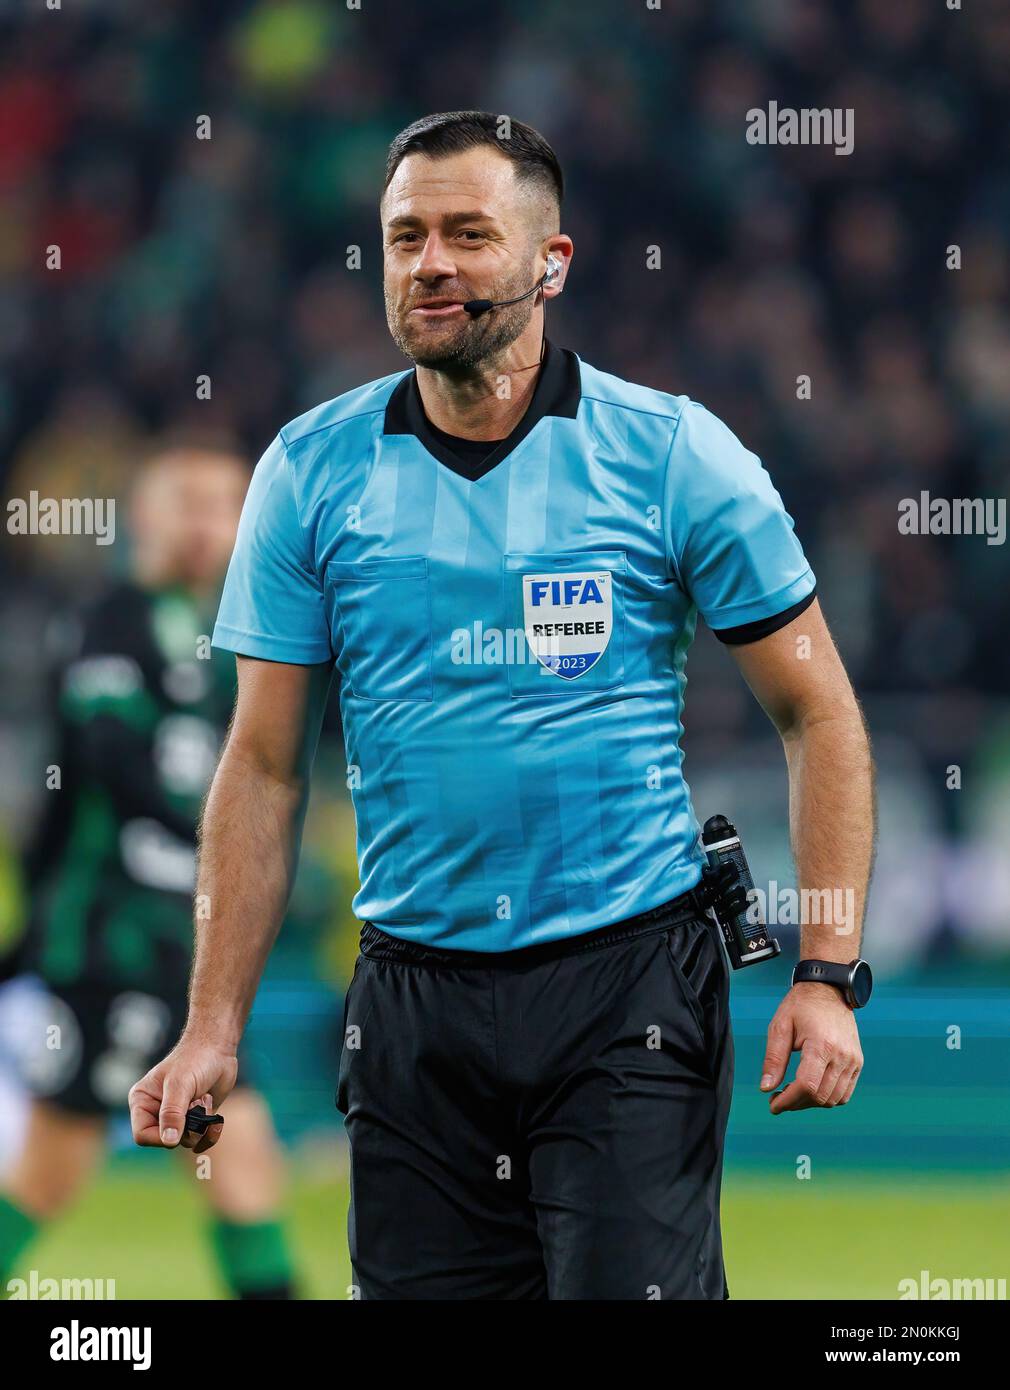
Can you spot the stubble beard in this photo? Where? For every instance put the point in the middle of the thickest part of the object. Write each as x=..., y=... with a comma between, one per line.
x=472, y=343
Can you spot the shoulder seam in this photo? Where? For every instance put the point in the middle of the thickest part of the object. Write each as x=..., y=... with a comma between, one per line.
x=638, y=410
x=674, y=562
x=333, y=424
x=295, y=500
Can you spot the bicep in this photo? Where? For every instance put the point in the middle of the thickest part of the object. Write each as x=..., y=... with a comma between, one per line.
x=796, y=673
x=278, y=714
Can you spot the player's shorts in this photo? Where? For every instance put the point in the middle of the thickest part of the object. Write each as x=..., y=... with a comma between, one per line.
x=542, y=1123
x=91, y=1042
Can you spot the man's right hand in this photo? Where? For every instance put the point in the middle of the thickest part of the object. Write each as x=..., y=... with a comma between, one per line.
x=193, y=1073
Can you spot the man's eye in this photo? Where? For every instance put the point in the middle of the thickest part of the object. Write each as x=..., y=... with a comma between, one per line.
x=404, y=236
x=472, y=234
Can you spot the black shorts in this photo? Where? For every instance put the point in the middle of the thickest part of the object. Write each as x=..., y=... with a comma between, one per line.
x=542, y=1123
x=91, y=1042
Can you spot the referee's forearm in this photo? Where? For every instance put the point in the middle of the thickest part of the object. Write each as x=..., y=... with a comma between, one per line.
x=832, y=821
x=248, y=851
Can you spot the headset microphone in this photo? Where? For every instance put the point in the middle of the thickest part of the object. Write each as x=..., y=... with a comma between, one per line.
x=476, y=307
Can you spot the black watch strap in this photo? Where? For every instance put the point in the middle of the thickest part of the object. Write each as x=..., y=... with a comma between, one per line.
x=854, y=980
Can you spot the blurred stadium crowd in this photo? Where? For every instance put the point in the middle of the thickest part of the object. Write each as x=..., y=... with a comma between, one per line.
x=229, y=257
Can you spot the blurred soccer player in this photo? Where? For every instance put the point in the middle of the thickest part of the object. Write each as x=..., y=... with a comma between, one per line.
x=504, y=553
x=142, y=711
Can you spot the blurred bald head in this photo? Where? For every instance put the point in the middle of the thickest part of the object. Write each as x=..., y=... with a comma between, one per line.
x=184, y=512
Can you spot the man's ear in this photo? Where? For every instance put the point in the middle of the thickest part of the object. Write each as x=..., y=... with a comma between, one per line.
x=558, y=258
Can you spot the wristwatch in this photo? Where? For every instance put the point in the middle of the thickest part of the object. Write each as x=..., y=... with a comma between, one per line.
x=855, y=980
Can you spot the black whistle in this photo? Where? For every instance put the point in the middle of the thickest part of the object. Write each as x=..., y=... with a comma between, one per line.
x=198, y=1121
x=727, y=886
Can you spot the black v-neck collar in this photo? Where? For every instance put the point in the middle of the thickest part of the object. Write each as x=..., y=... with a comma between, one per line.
x=558, y=392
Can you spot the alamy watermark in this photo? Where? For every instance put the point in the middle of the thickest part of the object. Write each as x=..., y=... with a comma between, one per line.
x=478, y=645
x=77, y=1343
x=40, y=1287
x=63, y=516
x=929, y=1287
x=785, y=125
x=782, y=907
x=958, y=516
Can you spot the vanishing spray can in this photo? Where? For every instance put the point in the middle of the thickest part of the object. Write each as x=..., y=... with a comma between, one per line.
x=732, y=903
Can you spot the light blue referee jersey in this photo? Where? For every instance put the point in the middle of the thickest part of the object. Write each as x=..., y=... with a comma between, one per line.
x=510, y=638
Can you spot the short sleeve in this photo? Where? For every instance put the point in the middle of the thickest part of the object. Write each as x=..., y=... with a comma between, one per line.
x=272, y=605
x=732, y=542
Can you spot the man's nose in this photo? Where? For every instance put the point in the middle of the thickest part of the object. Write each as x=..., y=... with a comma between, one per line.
x=433, y=262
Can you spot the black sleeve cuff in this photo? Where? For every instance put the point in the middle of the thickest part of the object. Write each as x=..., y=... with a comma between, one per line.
x=764, y=627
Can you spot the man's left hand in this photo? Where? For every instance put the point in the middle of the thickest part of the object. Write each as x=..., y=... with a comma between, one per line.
x=814, y=1020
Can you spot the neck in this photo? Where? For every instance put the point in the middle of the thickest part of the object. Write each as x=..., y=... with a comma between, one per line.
x=471, y=404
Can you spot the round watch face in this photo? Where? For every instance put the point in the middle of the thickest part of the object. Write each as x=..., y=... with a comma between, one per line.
x=861, y=983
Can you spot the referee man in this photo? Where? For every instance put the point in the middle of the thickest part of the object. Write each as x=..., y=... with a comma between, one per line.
x=503, y=553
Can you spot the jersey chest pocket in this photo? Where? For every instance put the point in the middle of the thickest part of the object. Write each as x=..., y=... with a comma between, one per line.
x=570, y=608
x=380, y=621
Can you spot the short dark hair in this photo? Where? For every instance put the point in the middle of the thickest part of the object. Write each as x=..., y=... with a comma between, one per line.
x=451, y=132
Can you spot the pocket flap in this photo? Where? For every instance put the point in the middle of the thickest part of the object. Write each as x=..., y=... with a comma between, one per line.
x=615, y=560
x=400, y=567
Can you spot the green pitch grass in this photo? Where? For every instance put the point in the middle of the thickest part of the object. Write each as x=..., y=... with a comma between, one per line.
x=149, y=1233
x=844, y=1238
x=833, y=1238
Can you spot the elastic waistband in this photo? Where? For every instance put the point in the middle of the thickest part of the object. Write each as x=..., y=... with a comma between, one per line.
x=379, y=945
